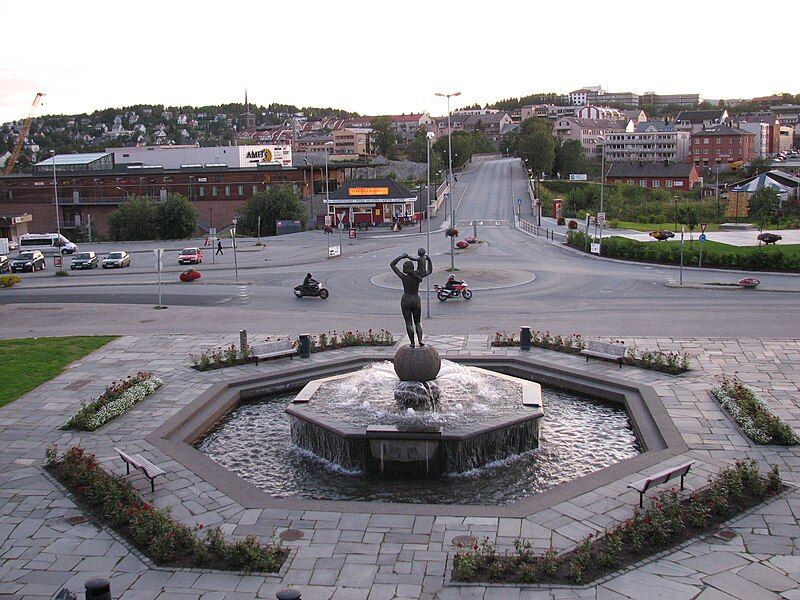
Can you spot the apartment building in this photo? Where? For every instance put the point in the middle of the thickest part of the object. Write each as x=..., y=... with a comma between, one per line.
x=722, y=144
x=652, y=141
x=589, y=132
x=599, y=112
x=696, y=120
x=352, y=141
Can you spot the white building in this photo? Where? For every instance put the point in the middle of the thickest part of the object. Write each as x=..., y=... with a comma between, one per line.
x=174, y=157
x=651, y=141
x=599, y=112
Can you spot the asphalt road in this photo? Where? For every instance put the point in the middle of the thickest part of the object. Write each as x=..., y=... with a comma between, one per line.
x=569, y=293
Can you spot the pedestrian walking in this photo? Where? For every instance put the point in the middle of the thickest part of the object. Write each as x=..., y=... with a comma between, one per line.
x=219, y=247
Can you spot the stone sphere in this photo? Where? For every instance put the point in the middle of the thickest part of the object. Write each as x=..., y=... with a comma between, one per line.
x=417, y=364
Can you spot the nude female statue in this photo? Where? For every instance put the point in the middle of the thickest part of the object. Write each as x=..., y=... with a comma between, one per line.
x=410, y=303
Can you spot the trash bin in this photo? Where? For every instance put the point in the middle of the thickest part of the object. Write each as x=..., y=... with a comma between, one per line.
x=304, y=345
x=98, y=588
x=525, y=338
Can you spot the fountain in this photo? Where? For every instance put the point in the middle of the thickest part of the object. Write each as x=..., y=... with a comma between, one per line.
x=414, y=422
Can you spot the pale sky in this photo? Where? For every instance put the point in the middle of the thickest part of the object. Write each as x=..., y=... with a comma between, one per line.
x=379, y=57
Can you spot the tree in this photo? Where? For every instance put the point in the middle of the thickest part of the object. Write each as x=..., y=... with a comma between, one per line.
x=760, y=164
x=687, y=215
x=570, y=158
x=536, y=145
x=417, y=150
x=383, y=138
x=280, y=202
x=134, y=219
x=176, y=217
x=763, y=204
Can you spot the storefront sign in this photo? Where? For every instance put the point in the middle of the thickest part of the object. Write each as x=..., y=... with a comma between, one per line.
x=368, y=191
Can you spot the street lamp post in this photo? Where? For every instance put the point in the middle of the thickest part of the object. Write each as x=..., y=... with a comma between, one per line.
x=55, y=192
x=235, y=262
x=430, y=135
x=675, y=199
x=602, y=183
x=450, y=186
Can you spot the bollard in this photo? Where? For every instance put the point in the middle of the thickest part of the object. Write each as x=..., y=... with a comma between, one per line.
x=304, y=348
x=525, y=338
x=98, y=588
x=243, y=340
x=289, y=594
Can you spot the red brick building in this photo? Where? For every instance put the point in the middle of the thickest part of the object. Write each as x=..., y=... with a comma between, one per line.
x=680, y=177
x=721, y=144
x=218, y=193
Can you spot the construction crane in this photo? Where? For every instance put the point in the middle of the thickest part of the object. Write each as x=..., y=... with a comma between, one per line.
x=23, y=135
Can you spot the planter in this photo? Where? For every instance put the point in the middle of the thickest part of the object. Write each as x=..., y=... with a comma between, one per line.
x=190, y=275
x=462, y=244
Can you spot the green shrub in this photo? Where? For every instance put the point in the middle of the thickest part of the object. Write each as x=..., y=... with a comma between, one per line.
x=8, y=281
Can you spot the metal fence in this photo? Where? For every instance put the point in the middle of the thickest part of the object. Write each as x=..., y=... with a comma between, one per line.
x=536, y=230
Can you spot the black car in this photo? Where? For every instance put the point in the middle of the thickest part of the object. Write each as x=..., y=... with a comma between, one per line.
x=84, y=260
x=31, y=260
x=4, y=263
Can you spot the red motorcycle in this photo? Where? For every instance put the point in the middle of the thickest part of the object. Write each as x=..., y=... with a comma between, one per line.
x=458, y=289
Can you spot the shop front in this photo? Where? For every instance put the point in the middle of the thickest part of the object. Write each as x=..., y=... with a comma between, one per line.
x=372, y=202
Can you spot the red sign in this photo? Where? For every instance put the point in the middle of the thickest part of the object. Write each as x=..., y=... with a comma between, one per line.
x=703, y=227
x=57, y=261
x=352, y=234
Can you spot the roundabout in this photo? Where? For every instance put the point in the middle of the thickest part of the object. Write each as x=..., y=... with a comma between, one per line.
x=479, y=278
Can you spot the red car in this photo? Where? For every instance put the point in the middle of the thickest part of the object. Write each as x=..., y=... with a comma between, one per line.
x=190, y=256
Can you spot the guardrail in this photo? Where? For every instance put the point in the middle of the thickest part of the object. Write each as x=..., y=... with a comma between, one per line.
x=536, y=230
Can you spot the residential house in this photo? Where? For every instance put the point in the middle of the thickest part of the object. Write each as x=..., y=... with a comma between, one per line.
x=636, y=115
x=589, y=132
x=655, y=175
x=352, y=141
x=722, y=144
x=695, y=120
x=585, y=95
x=491, y=125
x=766, y=132
x=591, y=111
x=312, y=142
x=651, y=141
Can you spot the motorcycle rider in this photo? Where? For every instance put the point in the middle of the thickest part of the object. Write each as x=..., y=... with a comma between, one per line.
x=309, y=283
x=452, y=282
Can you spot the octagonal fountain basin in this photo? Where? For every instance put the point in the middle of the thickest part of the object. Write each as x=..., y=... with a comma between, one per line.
x=354, y=421
x=490, y=440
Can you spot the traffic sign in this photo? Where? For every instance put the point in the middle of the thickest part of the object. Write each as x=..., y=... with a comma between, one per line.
x=595, y=248
x=703, y=227
x=159, y=252
x=334, y=251
x=601, y=218
x=519, y=201
x=351, y=234
x=327, y=220
x=702, y=237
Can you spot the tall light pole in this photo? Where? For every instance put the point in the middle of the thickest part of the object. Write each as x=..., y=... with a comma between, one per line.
x=235, y=262
x=55, y=192
x=450, y=185
x=328, y=194
x=602, y=181
x=429, y=139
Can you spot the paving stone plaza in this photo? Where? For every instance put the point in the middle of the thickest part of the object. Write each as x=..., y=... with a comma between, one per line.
x=382, y=554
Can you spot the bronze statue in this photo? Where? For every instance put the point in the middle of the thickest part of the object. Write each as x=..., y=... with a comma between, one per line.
x=410, y=303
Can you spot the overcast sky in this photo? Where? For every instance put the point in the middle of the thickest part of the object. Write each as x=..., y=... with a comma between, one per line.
x=380, y=57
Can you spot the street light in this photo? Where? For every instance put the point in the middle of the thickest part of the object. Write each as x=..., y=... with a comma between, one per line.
x=328, y=193
x=450, y=182
x=235, y=262
x=55, y=191
x=675, y=199
x=430, y=135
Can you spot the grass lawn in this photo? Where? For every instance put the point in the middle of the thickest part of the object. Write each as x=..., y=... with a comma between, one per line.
x=648, y=227
x=28, y=363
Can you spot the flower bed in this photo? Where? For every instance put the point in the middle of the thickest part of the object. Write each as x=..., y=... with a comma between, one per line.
x=218, y=358
x=333, y=340
x=669, y=520
x=118, y=398
x=664, y=362
x=153, y=530
x=752, y=414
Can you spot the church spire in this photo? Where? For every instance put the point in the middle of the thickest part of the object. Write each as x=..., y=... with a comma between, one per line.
x=246, y=103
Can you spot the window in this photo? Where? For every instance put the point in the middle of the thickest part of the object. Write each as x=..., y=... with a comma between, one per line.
x=214, y=191
x=656, y=183
x=201, y=191
x=255, y=189
x=227, y=190
x=631, y=182
x=705, y=150
x=705, y=140
x=241, y=190
x=668, y=183
x=643, y=183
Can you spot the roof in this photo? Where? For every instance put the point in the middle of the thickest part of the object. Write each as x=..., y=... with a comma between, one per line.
x=396, y=191
x=645, y=126
x=72, y=159
x=762, y=181
x=485, y=119
x=699, y=116
x=601, y=123
x=651, y=169
x=776, y=176
x=720, y=130
x=415, y=117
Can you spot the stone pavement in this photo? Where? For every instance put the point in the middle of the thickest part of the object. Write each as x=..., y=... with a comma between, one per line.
x=374, y=555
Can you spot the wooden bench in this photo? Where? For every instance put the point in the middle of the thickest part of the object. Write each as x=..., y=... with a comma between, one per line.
x=137, y=461
x=605, y=350
x=274, y=350
x=645, y=484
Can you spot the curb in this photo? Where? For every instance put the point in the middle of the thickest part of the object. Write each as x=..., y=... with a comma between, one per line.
x=130, y=283
x=474, y=289
x=728, y=287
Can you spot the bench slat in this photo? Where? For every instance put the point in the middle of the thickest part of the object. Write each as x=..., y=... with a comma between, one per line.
x=643, y=485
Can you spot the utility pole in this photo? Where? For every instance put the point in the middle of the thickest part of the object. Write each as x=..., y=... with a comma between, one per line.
x=450, y=160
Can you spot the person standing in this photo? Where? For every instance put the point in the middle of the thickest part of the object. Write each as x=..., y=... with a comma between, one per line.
x=219, y=247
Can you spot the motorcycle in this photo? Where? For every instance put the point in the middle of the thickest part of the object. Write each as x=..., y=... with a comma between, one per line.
x=459, y=289
x=313, y=290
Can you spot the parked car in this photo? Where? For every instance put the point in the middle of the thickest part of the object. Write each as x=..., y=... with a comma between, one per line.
x=190, y=256
x=13, y=244
x=84, y=260
x=117, y=259
x=4, y=263
x=30, y=260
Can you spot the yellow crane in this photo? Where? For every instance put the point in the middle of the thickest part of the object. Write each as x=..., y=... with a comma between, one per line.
x=23, y=135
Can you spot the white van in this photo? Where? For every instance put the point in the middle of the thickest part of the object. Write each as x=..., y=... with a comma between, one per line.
x=46, y=243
